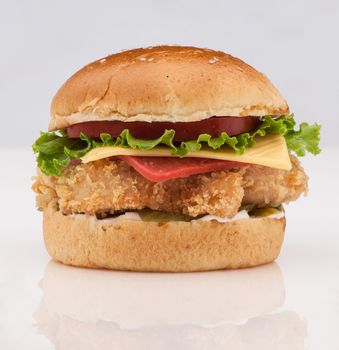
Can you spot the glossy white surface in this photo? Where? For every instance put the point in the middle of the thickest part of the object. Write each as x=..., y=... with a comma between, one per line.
x=291, y=304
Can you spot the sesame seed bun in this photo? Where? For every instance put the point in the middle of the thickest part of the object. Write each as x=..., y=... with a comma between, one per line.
x=165, y=83
x=173, y=246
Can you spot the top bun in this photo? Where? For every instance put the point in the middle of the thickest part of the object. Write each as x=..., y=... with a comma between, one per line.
x=165, y=83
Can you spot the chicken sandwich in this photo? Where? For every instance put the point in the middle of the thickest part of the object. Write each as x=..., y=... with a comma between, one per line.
x=169, y=158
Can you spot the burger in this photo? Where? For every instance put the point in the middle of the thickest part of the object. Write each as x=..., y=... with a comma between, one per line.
x=169, y=158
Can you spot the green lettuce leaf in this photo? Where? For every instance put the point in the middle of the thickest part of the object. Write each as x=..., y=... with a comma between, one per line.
x=55, y=150
x=307, y=138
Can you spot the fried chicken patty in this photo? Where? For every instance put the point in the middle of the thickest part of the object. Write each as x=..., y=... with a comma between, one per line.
x=110, y=186
x=270, y=187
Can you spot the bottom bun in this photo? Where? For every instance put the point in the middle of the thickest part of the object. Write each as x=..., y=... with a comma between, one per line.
x=174, y=246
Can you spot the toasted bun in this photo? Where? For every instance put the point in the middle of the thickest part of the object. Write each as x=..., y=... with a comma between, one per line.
x=175, y=246
x=165, y=83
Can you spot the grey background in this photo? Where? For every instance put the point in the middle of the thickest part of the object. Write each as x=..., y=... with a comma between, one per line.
x=43, y=42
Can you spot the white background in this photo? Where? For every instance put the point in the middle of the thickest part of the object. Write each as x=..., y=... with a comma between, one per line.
x=43, y=42
x=46, y=306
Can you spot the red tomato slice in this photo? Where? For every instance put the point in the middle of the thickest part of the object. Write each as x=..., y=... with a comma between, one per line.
x=183, y=131
x=160, y=169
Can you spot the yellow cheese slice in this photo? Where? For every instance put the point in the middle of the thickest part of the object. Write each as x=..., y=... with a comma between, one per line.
x=270, y=150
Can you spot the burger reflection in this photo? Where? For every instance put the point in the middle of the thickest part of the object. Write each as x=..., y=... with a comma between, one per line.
x=91, y=309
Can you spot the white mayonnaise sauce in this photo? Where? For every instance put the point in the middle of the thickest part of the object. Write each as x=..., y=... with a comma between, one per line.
x=134, y=216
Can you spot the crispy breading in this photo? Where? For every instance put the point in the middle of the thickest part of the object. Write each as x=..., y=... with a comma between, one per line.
x=112, y=185
x=266, y=186
x=109, y=186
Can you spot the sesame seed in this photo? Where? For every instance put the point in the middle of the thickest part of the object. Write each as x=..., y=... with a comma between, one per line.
x=142, y=58
x=102, y=60
x=213, y=60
